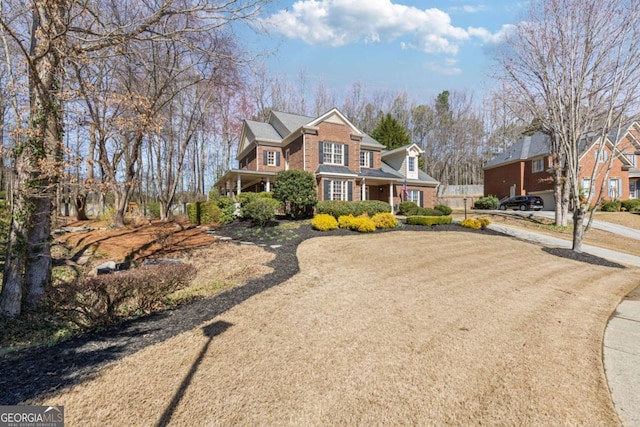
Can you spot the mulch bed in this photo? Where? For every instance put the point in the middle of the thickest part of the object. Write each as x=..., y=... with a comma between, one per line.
x=40, y=371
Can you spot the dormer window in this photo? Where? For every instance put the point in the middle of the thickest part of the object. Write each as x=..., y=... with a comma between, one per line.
x=412, y=167
x=412, y=164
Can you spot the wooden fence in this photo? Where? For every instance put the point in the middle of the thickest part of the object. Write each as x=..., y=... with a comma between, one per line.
x=454, y=195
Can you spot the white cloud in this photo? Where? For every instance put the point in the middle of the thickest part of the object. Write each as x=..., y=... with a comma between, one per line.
x=491, y=38
x=469, y=9
x=447, y=68
x=341, y=22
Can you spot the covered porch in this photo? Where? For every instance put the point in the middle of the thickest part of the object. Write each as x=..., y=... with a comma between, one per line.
x=236, y=181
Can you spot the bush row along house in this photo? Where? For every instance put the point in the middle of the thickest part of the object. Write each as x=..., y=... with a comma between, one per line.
x=348, y=164
x=526, y=167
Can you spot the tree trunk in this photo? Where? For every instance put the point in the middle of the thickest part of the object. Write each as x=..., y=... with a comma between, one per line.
x=81, y=206
x=39, y=262
x=578, y=228
x=120, y=209
x=11, y=295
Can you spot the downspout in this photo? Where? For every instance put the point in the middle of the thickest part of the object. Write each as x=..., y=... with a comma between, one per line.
x=257, y=160
x=304, y=151
x=391, y=191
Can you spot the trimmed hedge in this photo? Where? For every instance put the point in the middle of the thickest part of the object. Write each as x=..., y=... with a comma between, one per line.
x=428, y=220
x=408, y=209
x=204, y=213
x=446, y=210
x=611, y=206
x=488, y=202
x=631, y=205
x=338, y=208
x=260, y=210
x=411, y=209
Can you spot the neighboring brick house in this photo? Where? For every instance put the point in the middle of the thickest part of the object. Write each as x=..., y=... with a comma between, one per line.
x=347, y=163
x=525, y=168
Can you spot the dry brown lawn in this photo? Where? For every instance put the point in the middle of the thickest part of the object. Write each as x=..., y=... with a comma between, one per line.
x=593, y=237
x=404, y=328
x=622, y=218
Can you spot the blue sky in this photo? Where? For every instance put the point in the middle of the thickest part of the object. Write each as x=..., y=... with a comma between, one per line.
x=423, y=47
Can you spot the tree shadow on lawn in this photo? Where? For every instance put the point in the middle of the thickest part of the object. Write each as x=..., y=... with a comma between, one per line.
x=582, y=257
x=41, y=371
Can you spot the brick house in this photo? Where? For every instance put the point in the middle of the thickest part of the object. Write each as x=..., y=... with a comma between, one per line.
x=347, y=163
x=525, y=168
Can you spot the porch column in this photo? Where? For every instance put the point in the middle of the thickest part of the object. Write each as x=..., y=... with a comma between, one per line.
x=363, y=190
x=238, y=185
x=391, y=189
x=268, y=186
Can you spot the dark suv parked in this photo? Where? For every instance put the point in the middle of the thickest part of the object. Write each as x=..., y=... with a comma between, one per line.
x=524, y=203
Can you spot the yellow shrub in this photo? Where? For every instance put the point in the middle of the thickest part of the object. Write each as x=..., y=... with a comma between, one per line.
x=324, y=222
x=345, y=221
x=471, y=223
x=364, y=225
x=384, y=220
x=484, y=222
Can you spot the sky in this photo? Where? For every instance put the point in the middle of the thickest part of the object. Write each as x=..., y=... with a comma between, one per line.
x=419, y=46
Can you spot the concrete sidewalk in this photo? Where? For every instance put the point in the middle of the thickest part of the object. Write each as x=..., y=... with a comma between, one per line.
x=621, y=348
x=599, y=224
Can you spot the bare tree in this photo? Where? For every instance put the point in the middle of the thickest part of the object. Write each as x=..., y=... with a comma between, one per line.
x=575, y=65
x=324, y=99
x=59, y=30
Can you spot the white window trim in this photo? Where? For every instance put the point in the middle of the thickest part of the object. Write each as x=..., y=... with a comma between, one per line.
x=537, y=165
x=603, y=157
x=333, y=150
x=411, y=164
x=411, y=198
x=618, y=187
x=365, y=159
x=342, y=187
x=412, y=173
x=632, y=158
x=271, y=158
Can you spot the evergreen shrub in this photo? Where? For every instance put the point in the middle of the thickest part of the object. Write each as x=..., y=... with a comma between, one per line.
x=429, y=220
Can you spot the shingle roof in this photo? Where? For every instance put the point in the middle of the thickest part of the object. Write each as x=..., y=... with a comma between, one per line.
x=262, y=130
x=378, y=173
x=369, y=142
x=423, y=176
x=290, y=121
x=342, y=170
x=526, y=147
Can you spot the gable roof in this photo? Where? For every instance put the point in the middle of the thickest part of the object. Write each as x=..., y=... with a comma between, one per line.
x=287, y=123
x=401, y=150
x=262, y=131
x=527, y=147
x=282, y=128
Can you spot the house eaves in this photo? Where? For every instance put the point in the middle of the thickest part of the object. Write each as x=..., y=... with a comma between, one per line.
x=401, y=151
x=525, y=148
